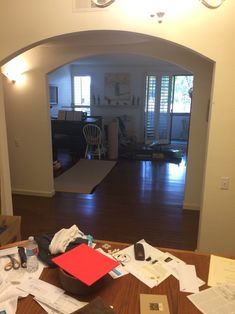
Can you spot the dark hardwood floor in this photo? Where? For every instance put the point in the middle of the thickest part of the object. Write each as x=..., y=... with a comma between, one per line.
x=138, y=199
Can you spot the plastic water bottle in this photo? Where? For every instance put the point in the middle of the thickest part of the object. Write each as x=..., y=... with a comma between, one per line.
x=31, y=253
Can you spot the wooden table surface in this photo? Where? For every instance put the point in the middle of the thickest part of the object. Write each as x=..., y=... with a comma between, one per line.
x=123, y=293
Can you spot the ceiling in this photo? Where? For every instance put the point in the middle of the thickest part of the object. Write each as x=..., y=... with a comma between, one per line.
x=104, y=38
x=126, y=60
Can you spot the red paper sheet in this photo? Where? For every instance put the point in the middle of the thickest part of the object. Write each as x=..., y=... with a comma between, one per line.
x=85, y=263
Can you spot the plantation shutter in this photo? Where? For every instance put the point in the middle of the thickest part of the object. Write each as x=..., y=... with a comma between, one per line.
x=150, y=113
x=163, y=123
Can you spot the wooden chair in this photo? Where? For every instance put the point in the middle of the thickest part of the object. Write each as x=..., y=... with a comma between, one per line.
x=93, y=137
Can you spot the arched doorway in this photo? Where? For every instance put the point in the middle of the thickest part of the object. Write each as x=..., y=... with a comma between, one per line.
x=60, y=50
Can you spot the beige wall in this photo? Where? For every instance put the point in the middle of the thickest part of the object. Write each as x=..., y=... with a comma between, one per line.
x=29, y=140
x=200, y=30
x=5, y=184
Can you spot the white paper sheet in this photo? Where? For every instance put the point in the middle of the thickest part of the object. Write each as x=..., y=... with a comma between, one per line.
x=172, y=263
x=41, y=289
x=9, y=296
x=151, y=272
x=188, y=278
x=10, y=251
x=63, y=304
x=215, y=300
x=9, y=293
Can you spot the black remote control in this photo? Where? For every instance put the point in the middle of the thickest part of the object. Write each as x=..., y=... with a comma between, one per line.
x=139, y=252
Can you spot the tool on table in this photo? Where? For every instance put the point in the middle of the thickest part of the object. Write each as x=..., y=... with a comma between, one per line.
x=23, y=257
x=12, y=264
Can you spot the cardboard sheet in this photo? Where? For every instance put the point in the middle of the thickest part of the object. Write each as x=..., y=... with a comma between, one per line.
x=153, y=303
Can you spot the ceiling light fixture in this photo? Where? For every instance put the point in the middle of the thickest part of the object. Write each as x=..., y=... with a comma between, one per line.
x=210, y=4
x=103, y=3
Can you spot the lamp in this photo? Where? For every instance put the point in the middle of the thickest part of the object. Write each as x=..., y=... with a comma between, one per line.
x=15, y=69
x=14, y=76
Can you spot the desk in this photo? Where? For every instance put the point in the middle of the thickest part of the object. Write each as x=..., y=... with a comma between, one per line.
x=123, y=293
x=68, y=134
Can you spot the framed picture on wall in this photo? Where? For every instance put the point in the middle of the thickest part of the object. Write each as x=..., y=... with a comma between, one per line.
x=117, y=89
x=53, y=92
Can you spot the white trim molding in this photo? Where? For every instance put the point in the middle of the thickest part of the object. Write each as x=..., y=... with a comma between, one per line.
x=191, y=206
x=34, y=193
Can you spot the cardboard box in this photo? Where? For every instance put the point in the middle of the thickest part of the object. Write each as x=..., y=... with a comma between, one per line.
x=12, y=231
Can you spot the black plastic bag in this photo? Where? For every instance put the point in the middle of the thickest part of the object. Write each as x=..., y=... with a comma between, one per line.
x=44, y=241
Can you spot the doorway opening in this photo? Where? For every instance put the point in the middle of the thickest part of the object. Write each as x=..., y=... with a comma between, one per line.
x=168, y=101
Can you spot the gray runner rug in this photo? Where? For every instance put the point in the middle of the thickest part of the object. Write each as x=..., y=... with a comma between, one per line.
x=84, y=176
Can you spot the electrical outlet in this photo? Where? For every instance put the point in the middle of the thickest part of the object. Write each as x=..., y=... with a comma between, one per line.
x=224, y=183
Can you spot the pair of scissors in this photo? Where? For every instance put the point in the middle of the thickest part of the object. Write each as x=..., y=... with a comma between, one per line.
x=12, y=264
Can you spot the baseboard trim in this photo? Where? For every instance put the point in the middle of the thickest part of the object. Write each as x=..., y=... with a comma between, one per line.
x=189, y=206
x=33, y=193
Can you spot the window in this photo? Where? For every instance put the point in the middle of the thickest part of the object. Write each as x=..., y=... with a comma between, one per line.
x=82, y=93
x=165, y=95
x=53, y=92
x=183, y=84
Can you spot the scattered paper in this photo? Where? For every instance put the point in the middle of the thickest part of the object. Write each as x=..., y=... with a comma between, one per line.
x=40, y=289
x=172, y=263
x=151, y=272
x=215, y=300
x=63, y=304
x=9, y=297
x=10, y=251
x=46, y=308
x=222, y=270
x=9, y=306
x=15, y=276
x=118, y=271
x=188, y=278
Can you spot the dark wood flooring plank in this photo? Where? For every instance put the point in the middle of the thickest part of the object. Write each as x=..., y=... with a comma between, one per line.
x=138, y=199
